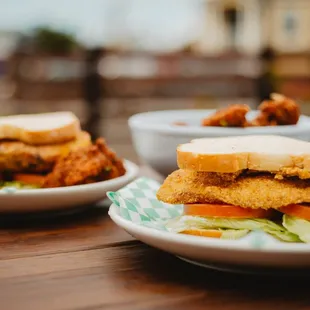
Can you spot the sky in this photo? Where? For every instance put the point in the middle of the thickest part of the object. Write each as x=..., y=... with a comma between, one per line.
x=155, y=24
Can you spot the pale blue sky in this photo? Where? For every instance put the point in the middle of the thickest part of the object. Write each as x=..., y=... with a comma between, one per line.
x=166, y=23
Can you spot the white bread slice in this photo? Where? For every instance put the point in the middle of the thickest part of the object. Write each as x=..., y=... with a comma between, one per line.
x=40, y=129
x=232, y=154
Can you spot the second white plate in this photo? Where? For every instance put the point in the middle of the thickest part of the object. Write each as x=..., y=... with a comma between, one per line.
x=38, y=200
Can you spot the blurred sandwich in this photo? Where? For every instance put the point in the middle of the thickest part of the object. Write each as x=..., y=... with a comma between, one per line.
x=30, y=145
x=40, y=129
x=231, y=186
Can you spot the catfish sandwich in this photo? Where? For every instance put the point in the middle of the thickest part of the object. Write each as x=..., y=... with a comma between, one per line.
x=51, y=150
x=30, y=145
x=232, y=186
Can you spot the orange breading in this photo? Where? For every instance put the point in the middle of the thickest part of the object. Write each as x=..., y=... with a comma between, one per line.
x=293, y=172
x=248, y=191
x=16, y=156
x=280, y=110
x=231, y=116
x=87, y=165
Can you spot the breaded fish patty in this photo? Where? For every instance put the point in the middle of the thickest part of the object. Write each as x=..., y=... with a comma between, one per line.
x=87, y=165
x=248, y=191
x=17, y=156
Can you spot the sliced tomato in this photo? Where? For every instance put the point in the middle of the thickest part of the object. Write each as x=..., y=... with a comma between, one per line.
x=301, y=211
x=31, y=179
x=222, y=210
x=211, y=233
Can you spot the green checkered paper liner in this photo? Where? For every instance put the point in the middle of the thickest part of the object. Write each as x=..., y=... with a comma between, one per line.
x=137, y=203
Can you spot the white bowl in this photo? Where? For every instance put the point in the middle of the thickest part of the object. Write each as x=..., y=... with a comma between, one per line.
x=155, y=138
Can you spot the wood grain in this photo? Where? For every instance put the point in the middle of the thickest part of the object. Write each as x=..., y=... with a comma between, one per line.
x=83, y=261
x=133, y=276
x=82, y=231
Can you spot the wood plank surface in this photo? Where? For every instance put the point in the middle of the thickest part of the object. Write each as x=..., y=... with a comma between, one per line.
x=83, y=261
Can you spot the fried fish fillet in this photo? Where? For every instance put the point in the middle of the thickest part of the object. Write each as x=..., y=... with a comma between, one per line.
x=17, y=156
x=87, y=165
x=291, y=172
x=248, y=191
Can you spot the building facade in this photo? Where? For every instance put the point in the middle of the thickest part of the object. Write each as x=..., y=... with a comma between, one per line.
x=249, y=25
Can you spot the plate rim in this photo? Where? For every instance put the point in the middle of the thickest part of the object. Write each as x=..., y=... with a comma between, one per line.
x=137, y=121
x=132, y=171
x=205, y=242
x=248, y=270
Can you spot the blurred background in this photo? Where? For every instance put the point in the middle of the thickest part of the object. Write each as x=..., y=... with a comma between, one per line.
x=106, y=60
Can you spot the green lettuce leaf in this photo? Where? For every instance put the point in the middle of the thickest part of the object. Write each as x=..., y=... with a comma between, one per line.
x=17, y=185
x=233, y=234
x=297, y=226
x=196, y=222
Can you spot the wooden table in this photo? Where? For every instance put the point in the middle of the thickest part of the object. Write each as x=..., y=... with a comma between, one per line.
x=83, y=261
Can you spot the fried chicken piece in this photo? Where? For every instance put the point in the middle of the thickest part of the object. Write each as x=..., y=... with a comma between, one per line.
x=261, y=191
x=117, y=167
x=88, y=165
x=280, y=110
x=263, y=119
x=231, y=116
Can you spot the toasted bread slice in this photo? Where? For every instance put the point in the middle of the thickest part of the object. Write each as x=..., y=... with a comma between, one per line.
x=258, y=153
x=40, y=129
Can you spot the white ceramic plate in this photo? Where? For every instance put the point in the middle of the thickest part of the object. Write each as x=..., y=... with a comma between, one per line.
x=30, y=200
x=214, y=253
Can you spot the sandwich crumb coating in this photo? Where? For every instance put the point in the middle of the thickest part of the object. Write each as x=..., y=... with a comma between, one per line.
x=245, y=190
x=17, y=156
x=91, y=164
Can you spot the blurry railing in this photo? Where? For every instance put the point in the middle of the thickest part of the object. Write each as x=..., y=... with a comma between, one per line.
x=221, y=87
x=135, y=75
